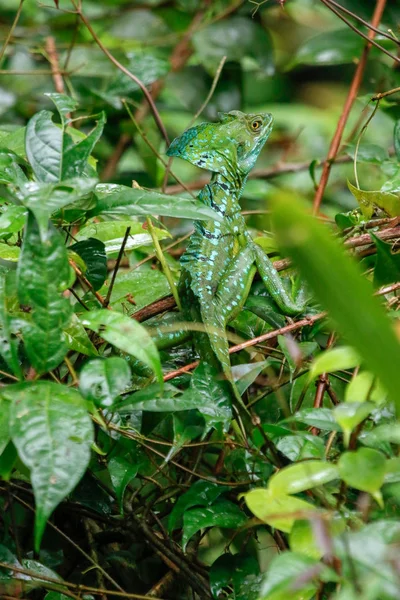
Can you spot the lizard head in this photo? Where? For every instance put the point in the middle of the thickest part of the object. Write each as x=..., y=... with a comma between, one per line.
x=228, y=146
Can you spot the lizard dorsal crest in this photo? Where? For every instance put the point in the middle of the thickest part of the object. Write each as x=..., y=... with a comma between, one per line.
x=206, y=147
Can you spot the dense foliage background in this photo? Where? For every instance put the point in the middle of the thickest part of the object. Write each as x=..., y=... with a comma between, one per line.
x=123, y=470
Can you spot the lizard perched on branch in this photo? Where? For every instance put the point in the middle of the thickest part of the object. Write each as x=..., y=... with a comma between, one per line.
x=221, y=259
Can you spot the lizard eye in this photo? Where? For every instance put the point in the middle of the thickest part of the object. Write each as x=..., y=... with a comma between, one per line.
x=256, y=124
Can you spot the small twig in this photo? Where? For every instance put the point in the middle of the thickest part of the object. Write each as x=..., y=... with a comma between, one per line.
x=364, y=22
x=381, y=95
x=114, y=275
x=322, y=385
x=211, y=92
x=368, y=37
x=11, y=31
x=83, y=279
x=351, y=97
x=153, y=148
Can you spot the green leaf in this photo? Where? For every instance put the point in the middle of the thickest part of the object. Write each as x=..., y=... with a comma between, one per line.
x=127, y=335
x=121, y=473
x=236, y=37
x=245, y=374
x=371, y=153
x=77, y=338
x=9, y=253
x=396, y=138
x=287, y=578
x=10, y=171
x=12, y=219
x=322, y=418
x=222, y=513
x=53, y=434
x=278, y=511
x=201, y=493
x=370, y=201
x=359, y=388
x=327, y=269
x=349, y=415
x=93, y=253
x=302, y=476
x=232, y=568
x=103, y=380
x=8, y=344
x=363, y=470
x=207, y=393
x=334, y=359
x=115, y=199
x=50, y=149
x=64, y=105
x=387, y=266
x=4, y=423
x=329, y=48
x=143, y=286
x=43, y=273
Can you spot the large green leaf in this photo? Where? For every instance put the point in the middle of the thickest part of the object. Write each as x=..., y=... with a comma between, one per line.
x=363, y=469
x=51, y=151
x=45, y=198
x=302, y=476
x=278, y=511
x=115, y=199
x=357, y=313
x=201, y=493
x=53, y=434
x=43, y=273
x=329, y=48
x=127, y=335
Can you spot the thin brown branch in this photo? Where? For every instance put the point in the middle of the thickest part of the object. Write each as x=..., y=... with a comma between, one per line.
x=55, y=66
x=364, y=22
x=360, y=33
x=322, y=385
x=178, y=59
x=351, y=97
x=253, y=342
x=124, y=70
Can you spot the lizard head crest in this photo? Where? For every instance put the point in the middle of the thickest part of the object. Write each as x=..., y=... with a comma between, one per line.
x=228, y=146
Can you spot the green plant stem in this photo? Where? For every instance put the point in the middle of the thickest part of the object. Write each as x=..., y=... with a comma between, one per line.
x=163, y=263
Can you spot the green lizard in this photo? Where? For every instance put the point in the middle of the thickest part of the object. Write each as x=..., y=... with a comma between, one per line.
x=221, y=259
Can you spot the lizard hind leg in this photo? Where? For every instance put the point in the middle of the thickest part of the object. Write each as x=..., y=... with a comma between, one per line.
x=228, y=300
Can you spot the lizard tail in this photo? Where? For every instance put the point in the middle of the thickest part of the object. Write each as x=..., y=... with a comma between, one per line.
x=219, y=343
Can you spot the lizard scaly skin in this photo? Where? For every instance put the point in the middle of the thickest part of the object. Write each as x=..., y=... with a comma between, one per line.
x=222, y=259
